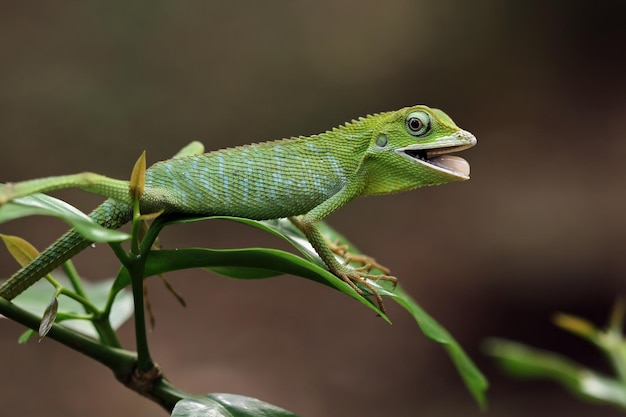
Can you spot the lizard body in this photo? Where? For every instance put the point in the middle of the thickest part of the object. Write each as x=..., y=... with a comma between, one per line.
x=302, y=176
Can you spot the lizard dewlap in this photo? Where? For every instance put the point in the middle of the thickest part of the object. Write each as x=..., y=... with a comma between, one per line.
x=304, y=178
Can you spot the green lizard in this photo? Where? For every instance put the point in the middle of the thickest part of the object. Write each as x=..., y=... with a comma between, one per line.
x=309, y=177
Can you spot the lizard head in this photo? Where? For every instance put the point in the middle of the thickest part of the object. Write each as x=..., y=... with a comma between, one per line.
x=412, y=148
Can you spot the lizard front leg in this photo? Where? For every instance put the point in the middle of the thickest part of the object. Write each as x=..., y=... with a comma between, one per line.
x=352, y=276
x=307, y=224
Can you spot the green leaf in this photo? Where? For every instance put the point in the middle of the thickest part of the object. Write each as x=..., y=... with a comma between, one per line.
x=227, y=405
x=238, y=272
x=36, y=299
x=41, y=204
x=281, y=228
x=250, y=263
x=474, y=380
x=25, y=337
x=263, y=263
x=526, y=362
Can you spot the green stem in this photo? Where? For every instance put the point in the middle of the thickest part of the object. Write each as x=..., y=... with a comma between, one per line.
x=99, y=320
x=109, y=303
x=119, y=251
x=79, y=293
x=152, y=233
x=135, y=269
x=121, y=254
x=166, y=395
x=135, y=266
x=135, y=263
x=106, y=332
x=52, y=281
x=121, y=362
x=87, y=305
x=72, y=275
x=136, y=227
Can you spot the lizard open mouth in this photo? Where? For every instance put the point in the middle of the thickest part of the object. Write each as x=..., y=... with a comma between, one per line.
x=439, y=158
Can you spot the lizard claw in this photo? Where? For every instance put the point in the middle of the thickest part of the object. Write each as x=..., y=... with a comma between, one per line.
x=368, y=263
x=355, y=276
x=338, y=249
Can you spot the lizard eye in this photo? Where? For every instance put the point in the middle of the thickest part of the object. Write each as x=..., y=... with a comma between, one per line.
x=418, y=123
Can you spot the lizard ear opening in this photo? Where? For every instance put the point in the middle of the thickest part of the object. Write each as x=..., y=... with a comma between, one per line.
x=381, y=140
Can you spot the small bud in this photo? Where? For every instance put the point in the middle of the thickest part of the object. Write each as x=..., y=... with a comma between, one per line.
x=576, y=325
x=22, y=251
x=138, y=177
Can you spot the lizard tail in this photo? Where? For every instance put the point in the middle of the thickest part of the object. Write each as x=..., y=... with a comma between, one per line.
x=110, y=214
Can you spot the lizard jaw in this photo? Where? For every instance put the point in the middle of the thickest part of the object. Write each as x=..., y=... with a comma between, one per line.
x=436, y=156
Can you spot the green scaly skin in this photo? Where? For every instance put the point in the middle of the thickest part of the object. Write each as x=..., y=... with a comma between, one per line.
x=308, y=177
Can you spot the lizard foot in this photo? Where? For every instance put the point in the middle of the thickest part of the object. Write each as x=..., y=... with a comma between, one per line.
x=355, y=276
x=368, y=263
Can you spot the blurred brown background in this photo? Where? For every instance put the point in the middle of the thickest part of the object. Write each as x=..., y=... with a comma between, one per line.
x=540, y=227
